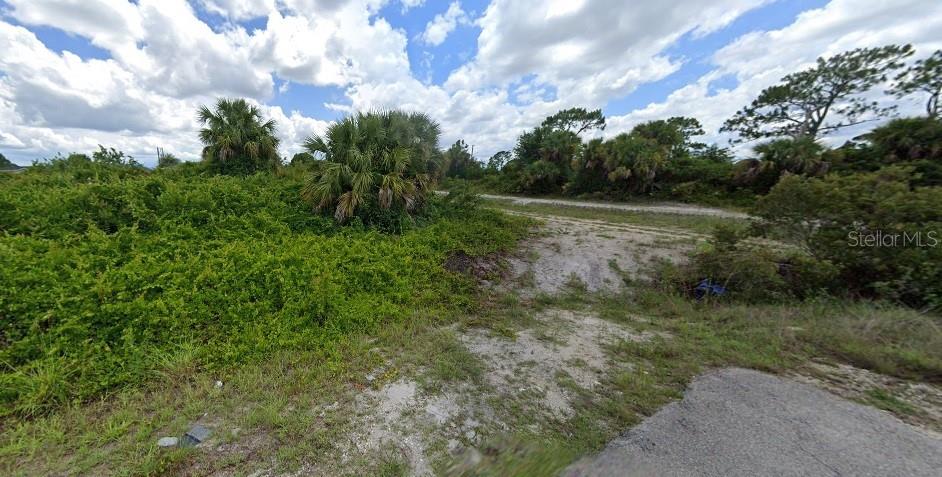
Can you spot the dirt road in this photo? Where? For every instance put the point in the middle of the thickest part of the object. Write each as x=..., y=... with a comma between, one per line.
x=669, y=208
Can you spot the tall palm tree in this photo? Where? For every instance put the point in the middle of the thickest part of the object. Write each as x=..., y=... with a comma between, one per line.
x=236, y=137
x=385, y=159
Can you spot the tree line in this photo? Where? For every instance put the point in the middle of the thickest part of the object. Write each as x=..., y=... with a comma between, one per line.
x=664, y=158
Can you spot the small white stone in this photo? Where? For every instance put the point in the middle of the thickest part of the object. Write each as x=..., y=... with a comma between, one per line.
x=218, y=384
x=167, y=442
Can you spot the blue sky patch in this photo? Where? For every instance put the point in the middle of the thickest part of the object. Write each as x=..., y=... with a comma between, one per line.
x=696, y=53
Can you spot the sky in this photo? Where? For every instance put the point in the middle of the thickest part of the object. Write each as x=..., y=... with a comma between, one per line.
x=130, y=74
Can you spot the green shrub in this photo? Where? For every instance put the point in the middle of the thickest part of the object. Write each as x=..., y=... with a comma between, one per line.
x=237, y=139
x=752, y=271
x=833, y=218
x=910, y=142
x=378, y=167
x=105, y=275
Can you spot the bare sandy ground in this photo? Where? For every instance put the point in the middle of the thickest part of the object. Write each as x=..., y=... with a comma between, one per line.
x=664, y=208
x=596, y=254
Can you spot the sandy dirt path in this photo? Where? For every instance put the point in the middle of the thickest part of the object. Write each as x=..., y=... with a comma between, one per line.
x=665, y=208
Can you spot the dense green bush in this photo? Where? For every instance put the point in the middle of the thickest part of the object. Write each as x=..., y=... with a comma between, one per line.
x=168, y=160
x=751, y=271
x=656, y=158
x=802, y=156
x=872, y=235
x=834, y=218
x=237, y=139
x=911, y=142
x=459, y=163
x=379, y=167
x=109, y=271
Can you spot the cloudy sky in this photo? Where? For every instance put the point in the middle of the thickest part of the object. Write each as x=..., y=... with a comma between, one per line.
x=130, y=74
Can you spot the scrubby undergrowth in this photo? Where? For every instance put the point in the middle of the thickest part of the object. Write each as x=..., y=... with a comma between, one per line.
x=111, y=272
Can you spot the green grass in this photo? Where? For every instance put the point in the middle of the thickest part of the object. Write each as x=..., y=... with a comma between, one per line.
x=886, y=401
x=700, y=224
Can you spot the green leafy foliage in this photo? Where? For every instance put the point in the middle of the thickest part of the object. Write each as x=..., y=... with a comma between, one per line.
x=925, y=76
x=752, y=272
x=883, y=235
x=655, y=155
x=802, y=156
x=168, y=160
x=303, y=159
x=460, y=164
x=912, y=142
x=237, y=139
x=575, y=120
x=379, y=167
x=497, y=162
x=108, y=269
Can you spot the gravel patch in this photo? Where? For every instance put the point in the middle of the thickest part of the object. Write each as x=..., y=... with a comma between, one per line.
x=597, y=254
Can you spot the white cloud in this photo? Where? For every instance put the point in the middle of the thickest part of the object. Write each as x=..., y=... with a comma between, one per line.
x=410, y=4
x=761, y=59
x=294, y=128
x=533, y=58
x=240, y=9
x=444, y=23
x=166, y=61
x=109, y=24
x=337, y=49
x=591, y=51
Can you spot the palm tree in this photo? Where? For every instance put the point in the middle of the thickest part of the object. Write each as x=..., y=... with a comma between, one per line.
x=802, y=156
x=797, y=156
x=237, y=139
x=385, y=159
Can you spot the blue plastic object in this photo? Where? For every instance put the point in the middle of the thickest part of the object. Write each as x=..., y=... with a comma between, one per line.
x=706, y=287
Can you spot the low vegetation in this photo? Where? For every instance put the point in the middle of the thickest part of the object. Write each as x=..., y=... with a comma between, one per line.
x=695, y=336
x=127, y=290
x=110, y=270
x=859, y=220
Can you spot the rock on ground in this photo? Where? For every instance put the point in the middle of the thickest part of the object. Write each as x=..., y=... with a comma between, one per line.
x=738, y=422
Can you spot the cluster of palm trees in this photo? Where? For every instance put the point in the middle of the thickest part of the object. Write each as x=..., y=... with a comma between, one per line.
x=384, y=160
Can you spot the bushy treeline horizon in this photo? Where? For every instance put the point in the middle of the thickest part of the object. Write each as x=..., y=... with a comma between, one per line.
x=664, y=159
